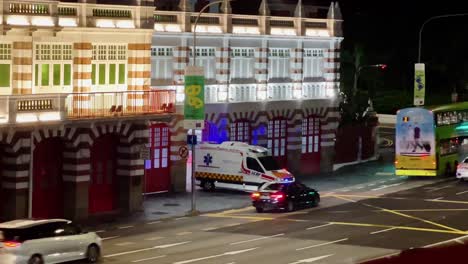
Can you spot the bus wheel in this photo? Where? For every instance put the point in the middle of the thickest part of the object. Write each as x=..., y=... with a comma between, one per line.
x=208, y=185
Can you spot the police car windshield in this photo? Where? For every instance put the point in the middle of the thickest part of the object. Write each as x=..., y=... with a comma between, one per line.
x=269, y=163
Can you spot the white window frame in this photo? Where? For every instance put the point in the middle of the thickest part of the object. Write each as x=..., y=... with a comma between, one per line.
x=206, y=58
x=279, y=63
x=108, y=54
x=242, y=63
x=162, y=63
x=6, y=58
x=52, y=53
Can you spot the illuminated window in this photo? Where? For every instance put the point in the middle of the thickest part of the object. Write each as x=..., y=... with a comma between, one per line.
x=162, y=63
x=279, y=63
x=5, y=51
x=109, y=64
x=311, y=135
x=277, y=136
x=242, y=63
x=240, y=131
x=53, y=65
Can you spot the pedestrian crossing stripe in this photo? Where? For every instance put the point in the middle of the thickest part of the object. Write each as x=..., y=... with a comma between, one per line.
x=219, y=177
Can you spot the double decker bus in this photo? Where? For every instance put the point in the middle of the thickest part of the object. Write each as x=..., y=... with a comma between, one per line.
x=431, y=141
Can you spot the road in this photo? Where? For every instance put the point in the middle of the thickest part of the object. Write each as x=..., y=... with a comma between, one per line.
x=373, y=219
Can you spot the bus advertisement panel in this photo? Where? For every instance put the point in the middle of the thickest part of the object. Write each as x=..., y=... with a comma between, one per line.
x=415, y=151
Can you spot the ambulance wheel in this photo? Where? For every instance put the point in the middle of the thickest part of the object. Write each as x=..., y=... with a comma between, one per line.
x=208, y=185
x=259, y=209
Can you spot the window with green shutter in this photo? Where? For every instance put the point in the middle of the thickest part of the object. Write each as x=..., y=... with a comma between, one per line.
x=45, y=75
x=122, y=73
x=93, y=74
x=112, y=70
x=67, y=74
x=4, y=75
x=56, y=74
x=102, y=74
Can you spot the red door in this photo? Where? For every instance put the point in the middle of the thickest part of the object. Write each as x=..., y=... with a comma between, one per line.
x=277, y=140
x=310, y=158
x=47, y=193
x=157, y=176
x=240, y=131
x=103, y=185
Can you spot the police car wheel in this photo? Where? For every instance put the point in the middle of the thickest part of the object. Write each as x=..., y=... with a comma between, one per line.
x=208, y=185
x=259, y=209
x=290, y=206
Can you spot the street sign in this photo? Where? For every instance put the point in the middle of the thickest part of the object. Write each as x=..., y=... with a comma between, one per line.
x=183, y=152
x=145, y=153
x=194, y=107
x=191, y=139
x=419, y=84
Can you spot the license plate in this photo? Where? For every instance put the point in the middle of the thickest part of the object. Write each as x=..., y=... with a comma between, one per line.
x=264, y=197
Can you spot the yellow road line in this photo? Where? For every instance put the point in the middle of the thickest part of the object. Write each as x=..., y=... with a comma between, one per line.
x=249, y=208
x=402, y=227
x=407, y=216
x=239, y=217
x=446, y=201
x=428, y=210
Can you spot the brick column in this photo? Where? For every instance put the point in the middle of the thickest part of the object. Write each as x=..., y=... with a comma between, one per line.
x=294, y=145
x=332, y=68
x=139, y=75
x=297, y=70
x=181, y=60
x=223, y=71
x=261, y=70
x=82, y=69
x=22, y=58
x=177, y=164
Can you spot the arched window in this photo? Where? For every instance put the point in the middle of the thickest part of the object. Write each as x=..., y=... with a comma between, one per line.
x=311, y=135
x=240, y=131
x=277, y=136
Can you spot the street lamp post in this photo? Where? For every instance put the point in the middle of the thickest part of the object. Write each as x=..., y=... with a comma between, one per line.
x=429, y=20
x=194, y=63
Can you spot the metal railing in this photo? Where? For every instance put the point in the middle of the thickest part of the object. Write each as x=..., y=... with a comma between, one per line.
x=28, y=8
x=73, y=106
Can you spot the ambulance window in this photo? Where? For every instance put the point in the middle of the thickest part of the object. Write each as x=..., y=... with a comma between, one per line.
x=253, y=164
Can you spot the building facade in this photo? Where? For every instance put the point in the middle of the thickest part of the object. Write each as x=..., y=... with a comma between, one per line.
x=91, y=98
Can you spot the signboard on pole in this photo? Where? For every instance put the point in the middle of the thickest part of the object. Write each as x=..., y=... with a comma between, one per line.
x=145, y=153
x=194, y=108
x=419, y=84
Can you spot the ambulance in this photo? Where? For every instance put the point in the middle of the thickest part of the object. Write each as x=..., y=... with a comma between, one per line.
x=236, y=165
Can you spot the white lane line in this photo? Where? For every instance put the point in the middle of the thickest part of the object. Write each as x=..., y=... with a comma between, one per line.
x=323, y=244
x=209, y=228
x=146, y=259
x=231, y=225
x=440, y=198
x=112, y=237
x=125, y=244
x=310, y=260
x=146, y=249
x=180, y=218
x=125, y=227
x=255, y=239
x=344, y=190
x=183, y=233
x=216, y=256
x=372, y=184
x=385, y=174
x=440, y=188
x=381, y=231
x=100, y=231
x=387, y=186
x=153, y=238
x=314, y=227
x=461, y=193
x=446, y=241
x=152, y=223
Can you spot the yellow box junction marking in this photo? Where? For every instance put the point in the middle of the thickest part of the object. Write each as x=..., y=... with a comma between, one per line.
x=402, y=227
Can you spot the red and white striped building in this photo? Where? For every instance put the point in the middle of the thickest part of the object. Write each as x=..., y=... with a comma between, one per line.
x=87, y=89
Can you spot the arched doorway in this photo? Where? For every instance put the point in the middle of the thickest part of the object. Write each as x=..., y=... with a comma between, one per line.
x=157, y=176
x=47, y=192
x=103, y=182
x=277, y=139
x=310, y=158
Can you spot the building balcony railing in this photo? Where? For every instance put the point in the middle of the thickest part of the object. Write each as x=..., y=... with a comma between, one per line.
x=16, y=109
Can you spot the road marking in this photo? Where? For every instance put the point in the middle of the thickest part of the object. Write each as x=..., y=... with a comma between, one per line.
x=387, y=186
x=461, y=193
x=429, y=210
x=440, y=198
x=310, y=260
x=372, y=184
x=440, y=188
x=385, y=174
x=323, y=244
x=446, y=201
x=153, y=238
x=152, y=223
x=146, y=249
x=209, y=228
x=125, y=227
x=146, y=259
x=403, y=228
x=231, y=225
x=405, y=215
x=381, y=231
x=298, y=220
x=446, y=241
x=124, y=244
x=239, y=217
x=346, y=199
x=112, y=237
x=216, y=256
x=183, y=233
x=314, y=227
x=100, y=231
x=250, y=208
x=255, y=239
x=339, y=212
x=180, y=218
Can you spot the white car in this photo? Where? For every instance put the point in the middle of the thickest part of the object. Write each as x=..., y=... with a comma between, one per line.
x=462, y=170
x=46, y=241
